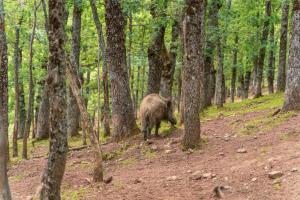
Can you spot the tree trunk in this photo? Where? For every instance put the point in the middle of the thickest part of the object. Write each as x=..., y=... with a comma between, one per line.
x=122, y=109
x=4, y=187
x=42, y=124
x=156, y=47
x=96, y=149
x=194, y=61
x=292, y=92
x=209, y=70
x=73, y=110
x=22, y=105
x=54, y=171
x=246, y=84
x=281, y=79
x=242, y=84
x=179, y=82
x=262, y=51
x=219, y=81
x=31, y=89
x=137, y=87
x=234, y=70
x=17, y=89
x=101, y=44
x=271, y=69
x=169, y=64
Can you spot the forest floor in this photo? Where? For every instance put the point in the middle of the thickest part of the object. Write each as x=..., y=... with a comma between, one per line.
x=242, y=143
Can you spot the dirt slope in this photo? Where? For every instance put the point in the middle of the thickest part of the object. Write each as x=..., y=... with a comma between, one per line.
x=161, y=171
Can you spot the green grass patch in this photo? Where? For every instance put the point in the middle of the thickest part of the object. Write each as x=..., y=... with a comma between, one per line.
x=272, y=101
x=264, y=123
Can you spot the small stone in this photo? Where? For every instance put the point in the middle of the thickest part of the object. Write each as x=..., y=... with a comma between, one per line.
x=207, y=175
x=172, y=178
x=108, y=180
x=255, y=137
x=294, y=170
x=168, y=151
x=242, y=150
x=254, y=179
x=213, y=175
x=189, y=171
x=154, y=148
x=227, y=187
x=226, y=139
x=189, y=151
x=138, y=180
x=196, y=175
x=275, y=174
x=221, y=154
x=277, y=181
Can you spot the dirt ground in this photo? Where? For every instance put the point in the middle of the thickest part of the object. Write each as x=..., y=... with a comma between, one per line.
x=239, y=163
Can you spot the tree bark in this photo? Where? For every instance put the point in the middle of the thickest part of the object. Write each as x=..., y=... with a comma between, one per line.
x=234, y=70
x=271, y=69
x=246, y=85
x=101, y=44
x=17, y=88
x=219, y=79
x=156, y=47
x=292, y=92
x=209, y=71
x=31, y=89
x=73, y=110
x=281, y=79
x=194, y=61
x=54, y=171
x=262, y=51
x=42, y=124
x=242, y=84
x=4, y=186
x=96, y=149
x=122, y=109
x=168, y=70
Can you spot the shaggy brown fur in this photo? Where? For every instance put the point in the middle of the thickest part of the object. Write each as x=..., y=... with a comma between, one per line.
x=155, y=108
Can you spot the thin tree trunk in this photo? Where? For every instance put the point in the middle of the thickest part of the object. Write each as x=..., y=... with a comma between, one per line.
x=55, y=168
x=219, y=80
x=22, y=103
x=42, y=124
x=106, y=111
x=4, y=186
x=144, y=65
x=17, y=89
x=281, y=79
x=122, y=109
x=194, y=61
x=271, y=69
x=155, y=49
x=170, y=64
x=31, y=92
x=179, y=82
x=98, y=167
x=246, y=84
x=242, y=84
x=137, y=87
x=73, y=110
x=87, y=94
x=292, y=92
x=262, y=51
x=234, y=70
